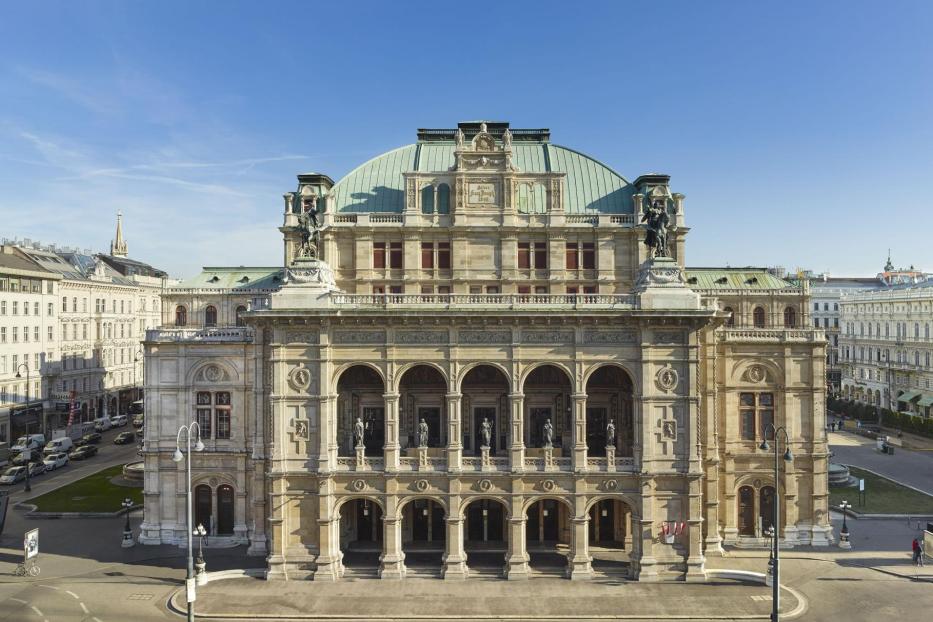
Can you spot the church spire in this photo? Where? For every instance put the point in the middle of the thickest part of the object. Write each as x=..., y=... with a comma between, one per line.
x=118, y=245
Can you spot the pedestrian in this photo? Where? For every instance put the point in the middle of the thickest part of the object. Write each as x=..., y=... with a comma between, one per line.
x=915, y=548
x=834, y=426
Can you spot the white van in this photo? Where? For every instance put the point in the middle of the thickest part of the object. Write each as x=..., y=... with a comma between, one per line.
x=31, y=441
x=119, y=421
x=102, y=424
x=58, y=445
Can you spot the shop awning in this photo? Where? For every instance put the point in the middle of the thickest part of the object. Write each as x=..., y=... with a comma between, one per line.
x=926, y=400
x=908, y=396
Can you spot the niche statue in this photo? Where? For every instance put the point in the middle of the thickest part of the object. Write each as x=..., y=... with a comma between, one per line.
x=423, y=434
x=486, y=432
x=657, y=220
x=310, y=228
x=548, y=434
x=358, y=430
x=610, y=434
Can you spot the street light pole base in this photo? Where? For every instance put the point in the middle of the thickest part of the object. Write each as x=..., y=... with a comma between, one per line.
x=128, y=540
x=845, y=544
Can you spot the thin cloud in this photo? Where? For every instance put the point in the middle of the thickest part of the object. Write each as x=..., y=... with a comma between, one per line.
x=68, y=88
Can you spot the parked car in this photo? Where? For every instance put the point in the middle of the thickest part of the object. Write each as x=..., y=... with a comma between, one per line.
x=58, y=445
x=21, y=458
x=31, y=441
x=89, y=439
x=37, y=468
x=118, y=421
x=139, y=421
x=102, y=425
x=124, y=437
x=83, y=452
x=55, y=461
x=13, y=475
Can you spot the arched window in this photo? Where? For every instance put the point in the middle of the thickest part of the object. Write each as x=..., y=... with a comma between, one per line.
x=927, y=361
x=916, y=330
x=758, y=316
x=181, y=316
x=443, y=199
x=926, y=331
x=766, y=508
x=210, y=316
x=790, y=317
x=239, y=315
x=746, y=511
x=917, y=358
x=203, y=512
x=730, y=321
x=427, y=199
x=225, y=510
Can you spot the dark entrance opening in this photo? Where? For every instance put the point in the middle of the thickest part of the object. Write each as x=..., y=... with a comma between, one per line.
x=479, y=415
x=361, y=533
x=225, y=510
x=373, y=429
x=485, y=520
x=203, y=507
x=432, y=417
x=596, y=420
x=746, y=511
x=543, y=523
x=766, y=508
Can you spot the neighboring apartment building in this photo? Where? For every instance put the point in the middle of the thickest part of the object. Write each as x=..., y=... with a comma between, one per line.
x=28, y=342
x=492, y=367
x=886, y=348
x=103, y=305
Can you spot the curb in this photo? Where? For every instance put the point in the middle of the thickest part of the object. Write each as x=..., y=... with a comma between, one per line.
x=33, y=514
x=737, y=575
x=890, y=479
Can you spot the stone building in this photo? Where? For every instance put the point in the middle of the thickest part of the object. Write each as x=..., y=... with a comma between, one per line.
x=490, y=370
x=886, y=348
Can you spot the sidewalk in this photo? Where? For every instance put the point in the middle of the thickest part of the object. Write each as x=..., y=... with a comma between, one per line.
x=477, y=598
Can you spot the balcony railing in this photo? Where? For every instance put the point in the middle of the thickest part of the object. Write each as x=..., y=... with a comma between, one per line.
x=230, y=334
x=508, y=301
x=805, y=335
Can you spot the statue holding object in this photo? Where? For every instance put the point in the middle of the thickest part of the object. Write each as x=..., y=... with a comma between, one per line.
x=310, y=227
x=657, y=220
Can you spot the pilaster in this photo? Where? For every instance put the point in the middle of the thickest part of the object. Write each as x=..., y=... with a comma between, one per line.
x=578, y=562
x=579, y=432
x=516, y=560
x=455, y=566
x=517, y=448
x=392, y=560
x=391, y=449
x=454, y=435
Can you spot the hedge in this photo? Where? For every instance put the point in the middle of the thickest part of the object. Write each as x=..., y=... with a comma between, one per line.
x=915, y=424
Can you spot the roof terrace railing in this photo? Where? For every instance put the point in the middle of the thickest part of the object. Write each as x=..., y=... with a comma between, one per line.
x=510, y=301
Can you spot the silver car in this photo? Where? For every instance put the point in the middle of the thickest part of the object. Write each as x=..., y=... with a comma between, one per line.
x=13, y=475
x=55, y=461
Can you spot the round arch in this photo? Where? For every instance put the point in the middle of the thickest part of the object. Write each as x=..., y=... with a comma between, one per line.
x=531, y=368
x=335, y=379
x=466, y=501
x=407, y=367
x=611, y=497
x=563, y=500
x=197, y=372
x=471, y=366
x=438, y=499
x=592, y=369
x=773, y=371
x=342, y=500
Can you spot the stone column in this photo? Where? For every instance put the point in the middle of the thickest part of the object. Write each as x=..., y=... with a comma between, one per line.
x=329, y=556
x=327, y=433
x=392, y=560
x=579, y=432
x=516, y=560
x=645, y=534
x=391, y=448
x=454, y=436
x=517, y=447
x=578, y=562
x=696, y=562
x=455, y=566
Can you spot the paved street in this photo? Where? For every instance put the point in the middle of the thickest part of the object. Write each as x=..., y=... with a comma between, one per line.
x=914, y=468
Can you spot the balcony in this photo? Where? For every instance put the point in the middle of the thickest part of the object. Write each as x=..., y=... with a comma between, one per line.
x=232, y=334
x=772, y=335
x=495, y=301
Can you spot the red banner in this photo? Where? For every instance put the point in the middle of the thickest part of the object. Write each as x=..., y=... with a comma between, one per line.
x=73, y=408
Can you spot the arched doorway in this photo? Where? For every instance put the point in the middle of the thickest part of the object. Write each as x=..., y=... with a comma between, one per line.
x=203, y=507
x=424, y=535
x=360, y=392
x=361, y=534
x=547, y=392
x=609, y=399
x=610, y=537
x=485, y=392
x=746, y=511
x=548, y=534
x=225, y=510
x=422, y=397
x=485, y=534
x=240, y=310
x=766, y=508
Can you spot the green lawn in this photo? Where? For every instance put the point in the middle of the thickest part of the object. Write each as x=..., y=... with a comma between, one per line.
x=93, y=493
x=882, y=496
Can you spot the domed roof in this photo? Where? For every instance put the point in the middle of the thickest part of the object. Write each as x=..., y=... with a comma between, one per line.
x=590, y=187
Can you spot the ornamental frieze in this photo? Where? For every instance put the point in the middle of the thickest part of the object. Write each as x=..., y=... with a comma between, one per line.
x=422, y=337
x=485, y=336
x=668, y=337
x=547, y=336
x=307, y=336
x=597, y=337
x=353, y=337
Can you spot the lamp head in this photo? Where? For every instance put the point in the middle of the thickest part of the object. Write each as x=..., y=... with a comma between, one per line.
x=788, y=456
x=199, y=446
x=764, y=445
x=19, y=375
x=176, y=457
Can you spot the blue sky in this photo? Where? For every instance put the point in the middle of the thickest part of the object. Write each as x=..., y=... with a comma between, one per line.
x=799, y=131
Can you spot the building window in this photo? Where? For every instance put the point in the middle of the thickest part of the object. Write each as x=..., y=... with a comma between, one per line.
x=443, y=199
x=210, y=316
x=816, y=306
x=395, y=255
x=204, y=413
x=790, y=317
x=379, y=255
x=64, y=303
x=524, y=255
x=540, y=256
x=443, y=255
x=756, y=413
x=573, y=256
x=758, y=315
x=427, y=255
x=181, y=316
x=427, y=200
x=589, y=256
x=222, y=412
x=730, y=318
x=239, y=315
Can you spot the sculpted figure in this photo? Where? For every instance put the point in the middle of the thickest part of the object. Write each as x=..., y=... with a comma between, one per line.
x=657, y=220
x=486, y=431
x=459, y=138
x=548, y=434
x=610, y=434
x=423, y=434
x=507, y=139
x=358, y=429
x=310, y=227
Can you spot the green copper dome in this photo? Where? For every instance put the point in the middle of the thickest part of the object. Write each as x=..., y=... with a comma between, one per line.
x=590, y=187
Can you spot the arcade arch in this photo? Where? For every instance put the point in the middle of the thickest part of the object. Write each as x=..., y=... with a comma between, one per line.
x=485, y=390
x=360, y=396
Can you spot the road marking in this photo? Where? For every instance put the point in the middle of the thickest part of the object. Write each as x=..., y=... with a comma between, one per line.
x=22, y=602
x=51, y=587
x=72, y=594
x=83, y=608
x=96, y=619
x=36, y=609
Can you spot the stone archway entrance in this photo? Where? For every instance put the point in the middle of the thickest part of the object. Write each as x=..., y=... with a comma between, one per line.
x=360, y=393
x=424, y=536
x=610, y=537
x=485, y=392
x=548, y=535
x=547, y=392
x=609, y=399
x=485, y=535
x=361, y=534
x=422, y=397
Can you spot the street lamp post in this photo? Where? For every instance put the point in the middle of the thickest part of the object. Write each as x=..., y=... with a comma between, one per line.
x=27, y=452
x=137, y=357
x=200, y=565
x=776, y=524
x=844, y=542
x=127, y=530
x=178, y=457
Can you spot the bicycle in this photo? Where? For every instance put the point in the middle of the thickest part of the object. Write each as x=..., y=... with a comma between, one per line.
x=28, y=567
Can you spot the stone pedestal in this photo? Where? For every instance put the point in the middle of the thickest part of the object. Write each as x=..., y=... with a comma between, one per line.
x=360, y=459
x=549, y=464
x=309, y=282
x=485, y=463
x=610, y=458
x=422, y=458
x=661, y=284
x=455, y=566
